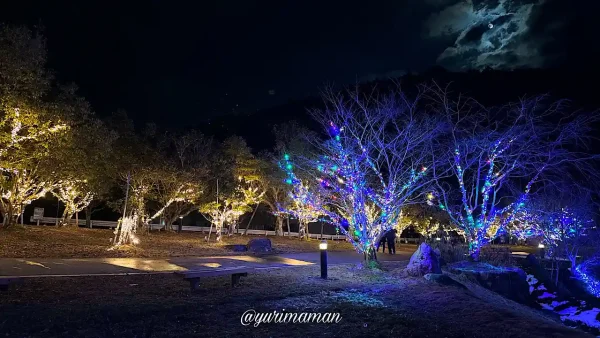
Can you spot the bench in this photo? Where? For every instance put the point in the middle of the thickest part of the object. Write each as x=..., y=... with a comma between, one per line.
x=193, y=276
x=5, y=282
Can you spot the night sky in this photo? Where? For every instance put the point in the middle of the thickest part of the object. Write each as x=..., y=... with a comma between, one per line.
x=180, y=63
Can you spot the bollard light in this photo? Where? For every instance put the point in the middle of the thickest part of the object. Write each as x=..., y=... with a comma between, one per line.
x=180, y=227
x=323, y=245
x=323, y=249
x=541, y=245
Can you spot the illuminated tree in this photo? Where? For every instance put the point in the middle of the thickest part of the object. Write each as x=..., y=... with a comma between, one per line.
x=276, y=196
x=498, y=155
x=76, y=195
x=29, y=124
x=290, y=137
x=20, y=187
x=82, y=157
x=425, y=220
x=136, y=168
x=234, y=186
x=125, y=232
x=563, y=219
x=379, y=157
x=305, y=205
x=179, y=180
x=228, y=210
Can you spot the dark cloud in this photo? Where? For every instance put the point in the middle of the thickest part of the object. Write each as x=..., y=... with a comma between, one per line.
x=382, y=76
x=498, y=34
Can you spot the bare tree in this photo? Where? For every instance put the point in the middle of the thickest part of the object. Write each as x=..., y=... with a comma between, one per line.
x=563, y=218
x=378, y=159
x=498, y=155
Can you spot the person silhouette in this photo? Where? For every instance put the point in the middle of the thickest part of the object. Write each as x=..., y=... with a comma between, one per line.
x=391, y=241
x=382, y=243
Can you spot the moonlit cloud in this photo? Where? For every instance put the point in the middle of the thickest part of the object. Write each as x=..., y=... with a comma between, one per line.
x=496, y=34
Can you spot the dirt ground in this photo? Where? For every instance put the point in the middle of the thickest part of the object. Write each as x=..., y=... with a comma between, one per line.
x=53, y=242
x=371, y=303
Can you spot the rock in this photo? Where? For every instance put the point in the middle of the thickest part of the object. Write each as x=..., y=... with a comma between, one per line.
x=259, y=245
x=510, y=282
x=237, y=247
x=439, y=254
x=442, y=279
x=425, y=260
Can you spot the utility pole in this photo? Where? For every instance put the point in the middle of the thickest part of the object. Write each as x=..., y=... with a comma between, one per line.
x=126, y=194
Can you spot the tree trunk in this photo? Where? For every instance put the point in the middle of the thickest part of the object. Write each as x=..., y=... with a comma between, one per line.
x=219, y=230
x=279, y=225
x=474, y=250
x=67, y=215
x=11, y=217
x=303, y=230
x=250, y=221
x=209, y=232
x=88, y=217
x=573, y=259
x=321, y=229
x=370, y=255
x=169, y=223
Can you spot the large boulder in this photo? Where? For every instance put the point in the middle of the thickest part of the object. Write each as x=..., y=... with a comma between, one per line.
x=425, y=260
x=442, y=279
x=259, y=245
x=510, y=282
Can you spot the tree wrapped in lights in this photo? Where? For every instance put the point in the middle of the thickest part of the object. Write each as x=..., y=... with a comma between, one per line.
x=125, y=232
x=426, y=220
x=587, y=272
x=306, y=205
x=229, y=209
x=563, y=220
x=179, y=181
x=377, y=159
x=498, y=155
x=29, y=125
x=20, y=187
x=137, y=168
x=82, y=158
x=276, y=197
x=76, y=195
x=237, y=178
x=289, y=137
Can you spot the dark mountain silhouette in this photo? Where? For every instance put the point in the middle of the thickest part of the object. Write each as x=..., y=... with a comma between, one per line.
x=490, y=87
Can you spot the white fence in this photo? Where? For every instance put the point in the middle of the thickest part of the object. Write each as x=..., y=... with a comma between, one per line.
x=112, y=224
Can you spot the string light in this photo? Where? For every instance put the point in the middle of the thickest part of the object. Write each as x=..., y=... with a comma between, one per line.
x=345, y=196
x=585, y=273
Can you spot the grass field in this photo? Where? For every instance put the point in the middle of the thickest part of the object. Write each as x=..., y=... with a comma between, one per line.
x=53, y=242
x=371, y=304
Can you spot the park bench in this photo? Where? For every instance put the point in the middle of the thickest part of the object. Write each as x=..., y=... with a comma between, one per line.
x=194, y=276
x=5, y=282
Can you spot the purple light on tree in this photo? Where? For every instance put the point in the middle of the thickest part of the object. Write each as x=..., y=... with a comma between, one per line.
x=498, y=155
x=378, y=157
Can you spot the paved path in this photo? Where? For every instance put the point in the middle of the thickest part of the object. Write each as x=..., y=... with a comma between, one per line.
x=37, y=267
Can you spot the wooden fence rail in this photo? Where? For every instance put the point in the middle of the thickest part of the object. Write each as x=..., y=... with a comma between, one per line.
x=113, y=224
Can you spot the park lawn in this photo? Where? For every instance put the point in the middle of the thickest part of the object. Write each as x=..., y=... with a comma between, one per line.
x=371, y=304
x=53, y=242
